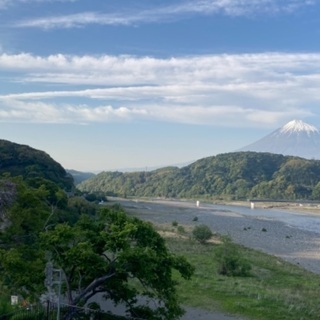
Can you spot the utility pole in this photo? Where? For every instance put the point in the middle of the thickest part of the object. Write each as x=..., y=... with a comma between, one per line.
x=53, y=277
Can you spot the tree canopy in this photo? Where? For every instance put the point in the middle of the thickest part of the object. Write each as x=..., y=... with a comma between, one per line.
x=231, y=176
x=124, y=258
x=22, y=160
x=101, y=251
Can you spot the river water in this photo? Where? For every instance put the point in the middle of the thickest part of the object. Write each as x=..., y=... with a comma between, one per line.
x=301, y=220
x=289, y=234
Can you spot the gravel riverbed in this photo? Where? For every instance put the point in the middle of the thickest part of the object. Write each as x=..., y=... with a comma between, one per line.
x=272, y=236
x=265, y=234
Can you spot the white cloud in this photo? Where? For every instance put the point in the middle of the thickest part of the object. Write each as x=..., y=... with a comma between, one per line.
x=4, y=4
x=176, y=11
x=226, y=69
x=243, y=7
x=254, y=89
x=80, y=19
x=41, y=112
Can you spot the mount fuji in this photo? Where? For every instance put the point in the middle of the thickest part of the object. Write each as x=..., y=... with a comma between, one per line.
x=296, y=138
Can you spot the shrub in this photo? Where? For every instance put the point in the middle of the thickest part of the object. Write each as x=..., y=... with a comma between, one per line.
x=174, y=223
x=195, y=219
x=5, y=306
x=202, y=233
x=230, y=262
x=181, y=230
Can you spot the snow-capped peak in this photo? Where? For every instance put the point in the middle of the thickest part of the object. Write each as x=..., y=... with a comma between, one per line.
x=297, y=126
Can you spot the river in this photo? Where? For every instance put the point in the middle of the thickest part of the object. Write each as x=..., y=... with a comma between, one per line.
x=288, y=234
x=294, y=219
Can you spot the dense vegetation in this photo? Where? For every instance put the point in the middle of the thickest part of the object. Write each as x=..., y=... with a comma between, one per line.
x=17, y=159
x=96, y=250
x=239, y=175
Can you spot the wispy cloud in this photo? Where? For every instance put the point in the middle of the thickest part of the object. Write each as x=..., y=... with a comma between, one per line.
x=175, y=11
x=4, y=4
x=238, y=90
x=243, y=7
x=81, y=19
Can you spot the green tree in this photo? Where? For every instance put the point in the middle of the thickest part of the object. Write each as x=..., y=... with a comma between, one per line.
x=122, y=257
x=21, y=259
x=316, y=192
x=27, y=210
x=202, y=233
x=7, y=196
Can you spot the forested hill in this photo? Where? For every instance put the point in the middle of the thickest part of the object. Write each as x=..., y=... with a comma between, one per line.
x=79, y=176
x=238, y=175
x=22, y=160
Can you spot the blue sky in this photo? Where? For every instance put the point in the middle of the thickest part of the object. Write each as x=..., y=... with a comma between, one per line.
x=107, y=85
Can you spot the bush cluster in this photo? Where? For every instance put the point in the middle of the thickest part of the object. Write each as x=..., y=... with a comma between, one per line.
x=202, y=233
x=230, y=262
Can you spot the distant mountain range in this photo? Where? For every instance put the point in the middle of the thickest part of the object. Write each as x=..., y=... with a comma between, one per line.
x=80, y=176
x=282, y=165
x=296, y=138
x=266, y=168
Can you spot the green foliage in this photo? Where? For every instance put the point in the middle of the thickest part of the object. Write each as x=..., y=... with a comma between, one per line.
x=232, y=176
x=202, y=233
x=79, y=206
x=104, y=251
x=230, y=261
x=38, y=205
x=55, y=196
x=181, y=230
x=316, y=192
x=19, y=250
x=275, y=290
x=174, y=223
x=29, y=315
x=22, y=160
x=8, y=196
x=5, y=306
x=112, y=253
x=95, y=197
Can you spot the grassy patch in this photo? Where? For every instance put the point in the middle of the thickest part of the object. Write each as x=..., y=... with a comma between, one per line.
x=274, y=289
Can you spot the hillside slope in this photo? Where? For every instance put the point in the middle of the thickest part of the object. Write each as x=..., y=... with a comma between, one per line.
x=237, y=175
x=80, y=176
x=28, y=162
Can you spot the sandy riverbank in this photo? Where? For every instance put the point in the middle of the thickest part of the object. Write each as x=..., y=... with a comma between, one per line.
x=312, y=207
x=295, y=245
x=274, y=237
